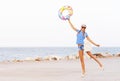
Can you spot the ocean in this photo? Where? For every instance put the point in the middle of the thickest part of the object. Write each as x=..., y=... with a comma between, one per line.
x=10, y=53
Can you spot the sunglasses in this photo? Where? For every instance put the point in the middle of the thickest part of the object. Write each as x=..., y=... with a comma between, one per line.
x=84, y=27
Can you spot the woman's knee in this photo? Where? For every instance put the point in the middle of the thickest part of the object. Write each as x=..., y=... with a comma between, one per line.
x=88, y=52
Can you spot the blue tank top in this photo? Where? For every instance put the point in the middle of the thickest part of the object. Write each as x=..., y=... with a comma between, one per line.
x=80, y=37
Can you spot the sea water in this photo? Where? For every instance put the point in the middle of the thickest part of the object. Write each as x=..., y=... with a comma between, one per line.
x=9, y=53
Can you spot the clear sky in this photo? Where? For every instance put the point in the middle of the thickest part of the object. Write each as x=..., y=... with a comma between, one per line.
x=35, y=23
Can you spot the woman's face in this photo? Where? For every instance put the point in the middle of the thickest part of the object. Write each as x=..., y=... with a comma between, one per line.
x=83, y=29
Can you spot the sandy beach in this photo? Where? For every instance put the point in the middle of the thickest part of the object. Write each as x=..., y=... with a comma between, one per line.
x=63, y=70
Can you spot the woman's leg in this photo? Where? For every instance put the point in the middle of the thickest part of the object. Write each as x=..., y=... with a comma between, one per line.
x=81, y=55
x=92, y=56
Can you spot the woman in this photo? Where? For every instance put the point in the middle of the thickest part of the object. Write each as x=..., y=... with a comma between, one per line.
x=81, y=35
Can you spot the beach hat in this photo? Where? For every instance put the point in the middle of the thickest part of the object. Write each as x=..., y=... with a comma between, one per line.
x=83, y=25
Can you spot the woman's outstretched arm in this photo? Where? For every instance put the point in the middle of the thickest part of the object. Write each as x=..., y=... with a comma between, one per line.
x=72, y=25
x=92, y=41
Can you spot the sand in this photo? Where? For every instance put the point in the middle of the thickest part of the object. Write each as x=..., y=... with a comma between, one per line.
x=62, y=70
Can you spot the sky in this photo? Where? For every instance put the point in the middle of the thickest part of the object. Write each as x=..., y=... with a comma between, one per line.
x=35, y=23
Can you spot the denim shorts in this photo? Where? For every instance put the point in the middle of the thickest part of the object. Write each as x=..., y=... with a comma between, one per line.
x=81, y=47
